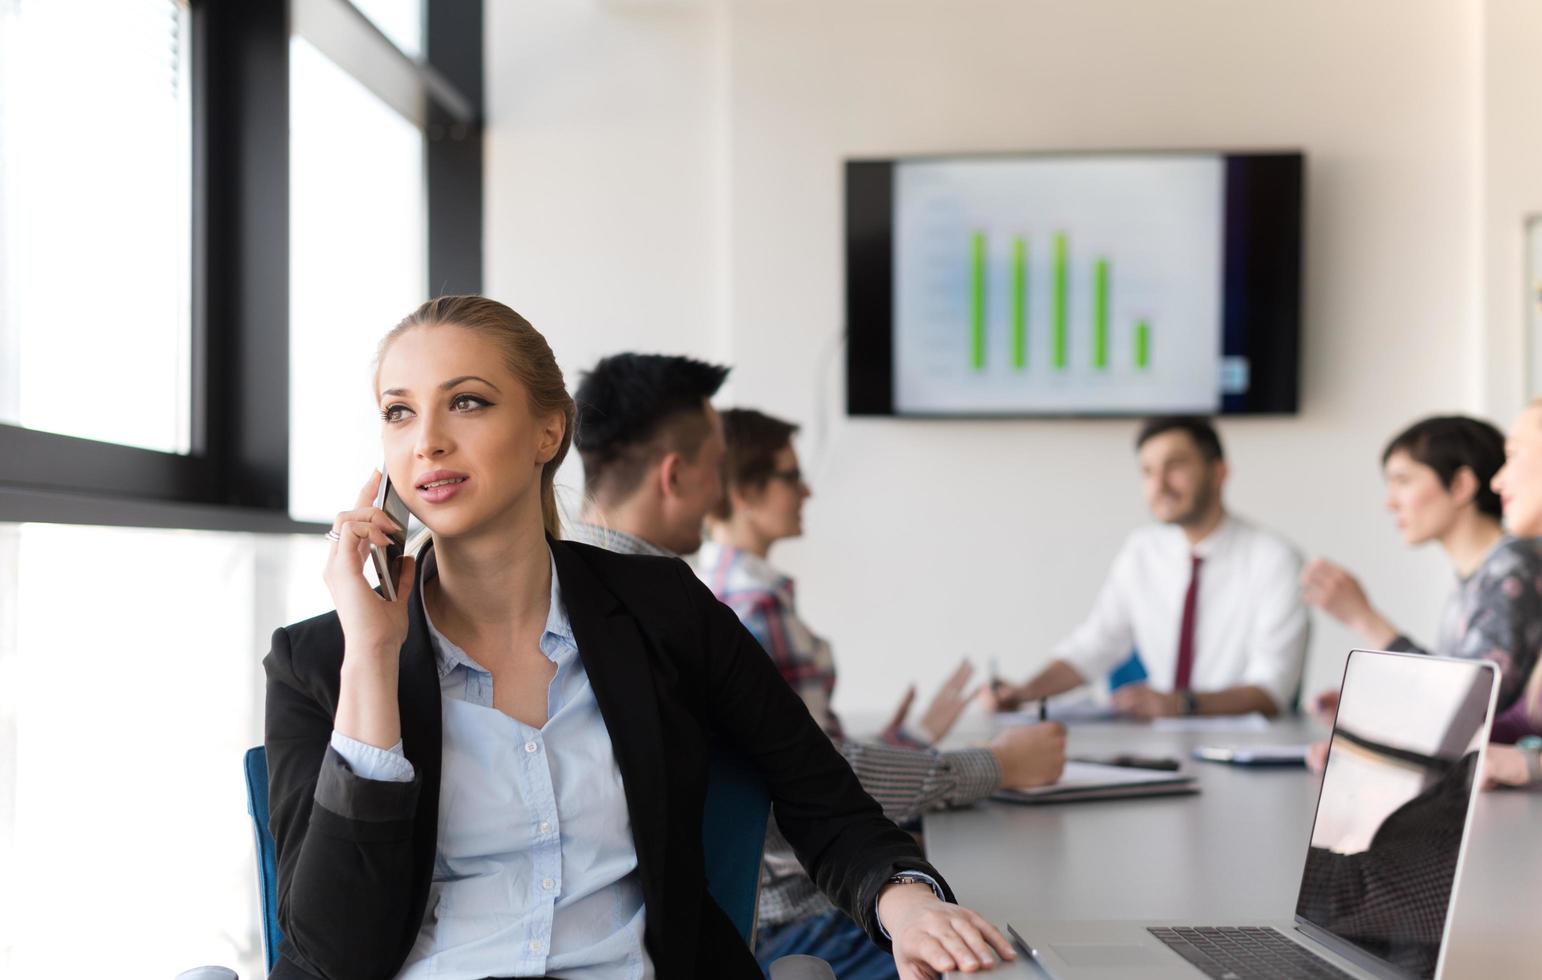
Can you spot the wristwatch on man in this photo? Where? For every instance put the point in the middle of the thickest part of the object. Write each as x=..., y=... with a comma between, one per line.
x=1190, y=702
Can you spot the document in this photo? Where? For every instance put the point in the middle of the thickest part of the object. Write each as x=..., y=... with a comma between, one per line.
x=1213, y=724
x=1254, y=755
x=1092, y=780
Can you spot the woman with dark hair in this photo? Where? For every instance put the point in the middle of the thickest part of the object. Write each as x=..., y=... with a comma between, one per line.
x=1439, y=474
x=500, y=773
x=761, y=506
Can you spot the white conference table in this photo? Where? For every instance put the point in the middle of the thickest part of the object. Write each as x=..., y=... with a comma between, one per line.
x=1232, y=852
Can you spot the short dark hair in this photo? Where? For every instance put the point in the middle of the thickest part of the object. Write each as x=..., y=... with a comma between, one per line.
x=1449, y=443
x=634, y=408
x=753, y=440
x=1199, y=429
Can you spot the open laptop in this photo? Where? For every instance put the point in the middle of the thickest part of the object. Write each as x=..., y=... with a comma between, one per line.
x=1383, y=858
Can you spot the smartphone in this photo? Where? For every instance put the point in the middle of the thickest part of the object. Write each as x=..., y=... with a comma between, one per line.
x=388, y=559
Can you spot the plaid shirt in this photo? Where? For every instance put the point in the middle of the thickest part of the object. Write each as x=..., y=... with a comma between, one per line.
x=599, y=536
x=905, y=781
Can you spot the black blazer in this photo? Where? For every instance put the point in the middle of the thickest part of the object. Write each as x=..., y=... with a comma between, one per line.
x=670, y=667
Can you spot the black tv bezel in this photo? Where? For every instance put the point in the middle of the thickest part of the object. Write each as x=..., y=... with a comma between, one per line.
x=1261, y=294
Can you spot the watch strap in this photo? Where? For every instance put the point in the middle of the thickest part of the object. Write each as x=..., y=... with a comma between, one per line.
x=1190, y=702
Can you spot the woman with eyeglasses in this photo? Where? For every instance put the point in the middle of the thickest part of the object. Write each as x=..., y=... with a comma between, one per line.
x=763, y=504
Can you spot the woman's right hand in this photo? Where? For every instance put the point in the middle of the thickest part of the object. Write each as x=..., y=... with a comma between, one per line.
x=372, y=625
x=1325, y=707
x=1317, y=756
x=1335, y=591
x=1338, y=593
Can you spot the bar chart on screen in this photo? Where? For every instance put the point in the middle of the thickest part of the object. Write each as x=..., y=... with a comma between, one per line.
x=1058, y=286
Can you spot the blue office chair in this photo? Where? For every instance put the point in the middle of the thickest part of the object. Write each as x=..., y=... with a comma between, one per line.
x=734, y=818
x=1131, y=671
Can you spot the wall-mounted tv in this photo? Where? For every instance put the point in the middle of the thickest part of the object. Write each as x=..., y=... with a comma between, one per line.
x=1073, y=284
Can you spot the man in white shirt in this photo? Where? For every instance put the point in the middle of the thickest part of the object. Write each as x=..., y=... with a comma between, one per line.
x=1211, y=602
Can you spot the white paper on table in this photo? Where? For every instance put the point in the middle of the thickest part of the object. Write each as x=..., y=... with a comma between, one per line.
x=1254, y=722
x=1094, y=775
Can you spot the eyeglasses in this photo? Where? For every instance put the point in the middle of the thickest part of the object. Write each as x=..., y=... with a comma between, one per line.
x=792, y=477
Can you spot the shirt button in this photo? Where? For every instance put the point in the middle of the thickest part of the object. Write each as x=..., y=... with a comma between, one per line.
x=535, y=945
x=545, y=827
x=530, y=746
x=548, y=884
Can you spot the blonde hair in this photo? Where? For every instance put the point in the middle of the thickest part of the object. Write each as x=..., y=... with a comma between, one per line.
x=527, y=356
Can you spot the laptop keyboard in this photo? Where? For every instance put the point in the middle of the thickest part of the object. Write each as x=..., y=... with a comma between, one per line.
x=1245, y=952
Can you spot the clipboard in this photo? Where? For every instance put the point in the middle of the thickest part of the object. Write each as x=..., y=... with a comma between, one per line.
x=1095, y=781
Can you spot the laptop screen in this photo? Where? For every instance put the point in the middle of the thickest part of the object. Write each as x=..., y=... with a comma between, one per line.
x=1394, y=804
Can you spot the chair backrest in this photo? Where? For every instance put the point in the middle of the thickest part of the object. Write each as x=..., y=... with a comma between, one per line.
x=256, y=766
x=733, y=836
x=1131, y=671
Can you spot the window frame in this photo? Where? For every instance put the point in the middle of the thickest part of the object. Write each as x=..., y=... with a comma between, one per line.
x=236, y=477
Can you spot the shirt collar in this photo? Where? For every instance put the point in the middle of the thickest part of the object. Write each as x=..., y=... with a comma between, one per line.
x=612, y=539
x=759, y=572
x=1210, y=543
x=1504, y=541
x=447, y=655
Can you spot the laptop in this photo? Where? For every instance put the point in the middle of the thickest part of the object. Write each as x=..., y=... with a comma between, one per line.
x=1383, y=858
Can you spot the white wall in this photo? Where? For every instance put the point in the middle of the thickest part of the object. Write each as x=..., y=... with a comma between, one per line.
x=695, y=148
x=1511, y=134
x=603, y=178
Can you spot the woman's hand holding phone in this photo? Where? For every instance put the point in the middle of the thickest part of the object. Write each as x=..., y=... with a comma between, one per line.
x=372, y=625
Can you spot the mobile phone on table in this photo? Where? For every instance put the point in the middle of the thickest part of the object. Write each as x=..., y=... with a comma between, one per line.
x=388, y=559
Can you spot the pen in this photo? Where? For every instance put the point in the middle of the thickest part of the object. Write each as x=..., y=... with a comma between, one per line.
x=1044, y=709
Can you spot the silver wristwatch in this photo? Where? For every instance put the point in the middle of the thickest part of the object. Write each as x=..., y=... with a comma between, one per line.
x=912, y=878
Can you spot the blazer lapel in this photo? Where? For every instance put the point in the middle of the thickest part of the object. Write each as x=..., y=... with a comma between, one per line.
x=616, y=660
x=419, y=700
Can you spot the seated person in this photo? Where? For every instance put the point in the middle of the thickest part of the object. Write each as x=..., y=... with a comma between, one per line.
x=1211, y=601
x=649, y=487
x=1519, y=485
x=1438, y=473
x=494, y=773
x=763, y=504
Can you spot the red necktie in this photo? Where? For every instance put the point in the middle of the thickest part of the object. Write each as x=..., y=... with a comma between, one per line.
x=1186, y=631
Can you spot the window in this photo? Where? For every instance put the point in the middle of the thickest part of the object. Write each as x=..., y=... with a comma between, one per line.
x=187, y=196
x=95, y=194
x=401, y=21
x=127, y=697
x=154, y=277
x=357, y=266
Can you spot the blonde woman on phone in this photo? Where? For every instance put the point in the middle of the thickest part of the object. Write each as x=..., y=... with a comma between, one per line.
x=501, y=772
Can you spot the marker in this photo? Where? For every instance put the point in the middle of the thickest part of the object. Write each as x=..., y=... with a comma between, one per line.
x=1044, y=709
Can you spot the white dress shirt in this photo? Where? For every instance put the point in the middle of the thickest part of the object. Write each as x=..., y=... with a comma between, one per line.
x=536, y=870
x=1251, y=626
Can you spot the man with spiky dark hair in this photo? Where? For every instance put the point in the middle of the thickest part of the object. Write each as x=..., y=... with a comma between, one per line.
x=652, y=447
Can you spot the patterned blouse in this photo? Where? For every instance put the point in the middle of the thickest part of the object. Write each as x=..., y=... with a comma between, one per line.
x=1496, y=614
x=906, y=782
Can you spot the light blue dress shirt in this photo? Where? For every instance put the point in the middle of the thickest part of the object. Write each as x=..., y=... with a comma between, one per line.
x=536, y=869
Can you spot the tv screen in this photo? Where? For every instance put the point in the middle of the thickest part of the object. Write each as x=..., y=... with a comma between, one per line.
x=1073, y=284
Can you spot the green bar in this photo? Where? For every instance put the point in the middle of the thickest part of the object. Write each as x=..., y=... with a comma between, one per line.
x=1061, y=284
x=1019, y=304
x=977, y=304
x=1142, y=344
x=1100, y=313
